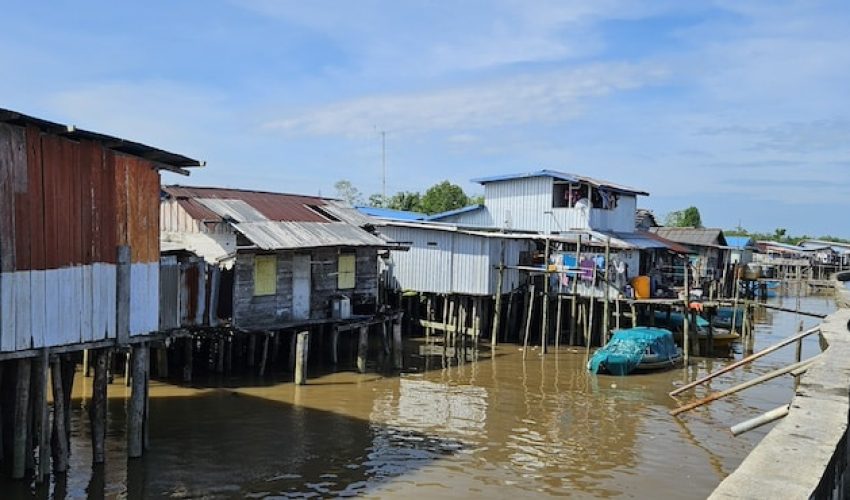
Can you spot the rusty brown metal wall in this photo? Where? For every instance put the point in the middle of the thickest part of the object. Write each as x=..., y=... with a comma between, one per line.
x=65, y=206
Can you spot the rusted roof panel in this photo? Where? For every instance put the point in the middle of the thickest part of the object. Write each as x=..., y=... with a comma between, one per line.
x=235, y=210
x=155, y=155
x=273, y=235
x=274, y=206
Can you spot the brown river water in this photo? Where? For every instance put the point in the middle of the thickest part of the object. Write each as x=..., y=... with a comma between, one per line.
x=500, y=427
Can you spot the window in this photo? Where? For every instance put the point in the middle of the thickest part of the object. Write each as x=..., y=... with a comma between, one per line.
x=265, y=275
x=345, y=275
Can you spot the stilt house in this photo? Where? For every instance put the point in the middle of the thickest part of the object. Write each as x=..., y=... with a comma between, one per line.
x=272, y=260
x=79, y=235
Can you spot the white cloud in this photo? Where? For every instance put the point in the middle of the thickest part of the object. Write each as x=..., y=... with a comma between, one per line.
x=547, y=97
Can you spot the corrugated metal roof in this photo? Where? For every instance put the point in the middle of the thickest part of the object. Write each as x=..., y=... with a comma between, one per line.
x=275, y=221
x=697, y=236
x=124, y=146
x=563, y=176
x=387, y=213
x=236, y=210
x=274, y=206
x=273, y=235
x=458, y=211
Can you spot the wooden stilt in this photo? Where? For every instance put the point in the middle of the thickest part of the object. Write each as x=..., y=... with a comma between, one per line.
x=559, y=322
x=136, y=404
x=398, y=346
x=544, y=321
x=510, y=316
x=60, y=435
x=219, y=355
x=497, y=316
x=606, y=311
x=228, y=354
x=252, y=350
x=162, y=362
x=302, y=348
x=97, y=409
x=335, y=345
x=617, y=312
x=69, y=368
x=264, y=357
x=188, y=350
x=528, y=319
x=21, y=418
x=86, y=373
x=574, y=305
x=42, y=427
x=362, y=349
x=127, y=371
x=634, y=315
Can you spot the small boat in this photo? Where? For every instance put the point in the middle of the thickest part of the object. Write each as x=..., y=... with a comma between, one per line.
x=633, y=349
x=723, y=317
x=722, y=339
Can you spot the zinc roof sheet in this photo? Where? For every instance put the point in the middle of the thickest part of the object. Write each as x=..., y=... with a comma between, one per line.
x=273, y=235
x=564, y=176
x=696, y=236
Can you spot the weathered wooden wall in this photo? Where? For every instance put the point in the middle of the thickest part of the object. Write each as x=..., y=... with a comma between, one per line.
x=273, y=311
x=65, y=206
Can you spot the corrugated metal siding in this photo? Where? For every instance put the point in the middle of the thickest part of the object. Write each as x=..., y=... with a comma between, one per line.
x=424, y=268
x=64, y=208
x=521, y=204
x=621, y=219
x=480, y=217
x=453, y=263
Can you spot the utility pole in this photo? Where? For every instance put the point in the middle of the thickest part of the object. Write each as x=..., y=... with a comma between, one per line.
x=384, y=165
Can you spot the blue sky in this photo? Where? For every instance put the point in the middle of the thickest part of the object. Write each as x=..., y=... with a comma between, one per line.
x=739, y=108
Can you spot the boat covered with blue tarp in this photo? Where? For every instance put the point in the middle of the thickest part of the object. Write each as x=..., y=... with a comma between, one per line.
x=641, y=348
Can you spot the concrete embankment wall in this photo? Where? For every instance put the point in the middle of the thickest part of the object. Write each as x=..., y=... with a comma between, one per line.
x=806, y=454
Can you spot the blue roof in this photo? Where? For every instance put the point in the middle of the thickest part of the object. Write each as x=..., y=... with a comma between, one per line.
x=458, y=211
x=563, y=176
x=739, y=242
x=388, y=213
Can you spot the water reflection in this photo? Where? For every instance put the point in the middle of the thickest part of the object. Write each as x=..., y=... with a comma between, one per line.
x=505, y=426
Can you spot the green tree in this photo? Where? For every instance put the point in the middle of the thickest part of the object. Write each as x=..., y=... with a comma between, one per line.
x=689, y=217
x=476, y=200
x=443, y=197
x=405, y=200
x=378, y=201
x=346, y=191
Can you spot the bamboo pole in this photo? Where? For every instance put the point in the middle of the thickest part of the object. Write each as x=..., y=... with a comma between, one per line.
x=747, y=360
x=740, y=387
x=43, y=428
